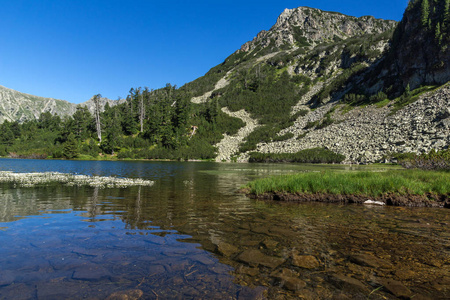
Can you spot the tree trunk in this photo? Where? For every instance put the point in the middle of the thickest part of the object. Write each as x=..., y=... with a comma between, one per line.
x=97, y=117
x=142, y=112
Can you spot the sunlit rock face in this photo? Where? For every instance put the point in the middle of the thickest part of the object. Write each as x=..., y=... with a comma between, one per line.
x=304, y=25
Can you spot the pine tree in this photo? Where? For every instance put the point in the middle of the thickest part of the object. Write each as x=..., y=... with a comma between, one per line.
x=437, y=34
x=70, y=147
x=407, y=91
x=82, y=119
x=425, y=12
x=446, y=13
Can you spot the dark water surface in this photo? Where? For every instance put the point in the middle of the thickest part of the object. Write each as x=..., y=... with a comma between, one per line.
x=191, y=236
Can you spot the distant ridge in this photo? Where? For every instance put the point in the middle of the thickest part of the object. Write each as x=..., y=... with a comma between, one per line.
x=17, y=106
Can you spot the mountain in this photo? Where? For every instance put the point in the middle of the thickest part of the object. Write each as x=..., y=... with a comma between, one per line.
x=309, y=26
x=17, y=106
x=368, y=89
x=362, y=87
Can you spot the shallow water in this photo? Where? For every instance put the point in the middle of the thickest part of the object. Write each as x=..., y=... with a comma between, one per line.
x=192, y=236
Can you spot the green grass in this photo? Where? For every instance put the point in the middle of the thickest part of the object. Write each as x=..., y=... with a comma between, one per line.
x=346, y=108
x=382, y=103
x=403, y=182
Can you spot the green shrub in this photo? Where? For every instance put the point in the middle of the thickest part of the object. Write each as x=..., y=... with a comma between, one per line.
x=315, y=155
x=439, y=160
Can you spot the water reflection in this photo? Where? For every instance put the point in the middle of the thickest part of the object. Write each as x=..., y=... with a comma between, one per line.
x=106, y=243
x=191, y=236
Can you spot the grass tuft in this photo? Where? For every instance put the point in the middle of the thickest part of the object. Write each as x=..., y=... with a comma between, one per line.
x=402, y=182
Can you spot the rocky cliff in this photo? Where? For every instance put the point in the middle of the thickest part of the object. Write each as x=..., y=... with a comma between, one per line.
x=420, y=52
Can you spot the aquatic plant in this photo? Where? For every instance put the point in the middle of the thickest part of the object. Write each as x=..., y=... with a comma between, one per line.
x=47, y=178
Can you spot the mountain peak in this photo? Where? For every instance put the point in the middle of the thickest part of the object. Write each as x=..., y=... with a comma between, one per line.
x=305, y=26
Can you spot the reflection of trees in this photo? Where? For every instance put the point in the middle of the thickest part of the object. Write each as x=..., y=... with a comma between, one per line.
x=92, y=208
x=21, y=202
x=134, y=215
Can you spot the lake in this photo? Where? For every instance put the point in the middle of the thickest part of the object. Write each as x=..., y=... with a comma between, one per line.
x=192, y=236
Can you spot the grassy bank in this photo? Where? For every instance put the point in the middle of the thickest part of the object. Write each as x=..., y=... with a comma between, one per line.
x=432, y=185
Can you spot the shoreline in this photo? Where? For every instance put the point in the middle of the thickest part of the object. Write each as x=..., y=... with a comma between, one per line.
x=110, y=159
x=429, y=200
x=409, y=188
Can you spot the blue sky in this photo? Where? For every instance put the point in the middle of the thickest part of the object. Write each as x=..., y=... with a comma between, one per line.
x=73, y=49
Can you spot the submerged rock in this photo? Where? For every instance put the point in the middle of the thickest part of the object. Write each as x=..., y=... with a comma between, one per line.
x=397, y=289
x=253, y=294
x=126, y=295
x=6, y=278
x=91, y=273
x=255, y=257
x=370, y=261
x=247, y=270
x=227, y=249
x=288, y=279
x=305, y=261
x=348, y=283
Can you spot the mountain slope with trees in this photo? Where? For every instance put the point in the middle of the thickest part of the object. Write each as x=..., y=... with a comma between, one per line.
x=315, y=80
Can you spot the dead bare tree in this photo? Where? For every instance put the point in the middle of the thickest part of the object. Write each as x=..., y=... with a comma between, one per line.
x=96, y=100
x=141, y=111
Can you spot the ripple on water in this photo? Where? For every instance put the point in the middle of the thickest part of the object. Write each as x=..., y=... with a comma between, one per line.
x=190, y=235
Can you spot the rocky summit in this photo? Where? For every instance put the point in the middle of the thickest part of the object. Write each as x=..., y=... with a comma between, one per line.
x=305, y=25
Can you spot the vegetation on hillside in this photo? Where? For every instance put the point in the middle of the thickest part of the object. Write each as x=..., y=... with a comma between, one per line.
x=435, y=160
x=317, y=155
x=159, y=124
x=164, y=124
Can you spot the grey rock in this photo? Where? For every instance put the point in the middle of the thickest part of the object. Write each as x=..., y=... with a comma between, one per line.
x=366, y=135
